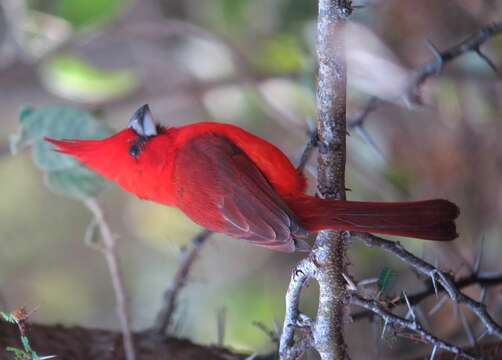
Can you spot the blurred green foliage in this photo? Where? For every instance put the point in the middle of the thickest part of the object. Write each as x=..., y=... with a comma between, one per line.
x=73, y=78
x=259, y=305
x=233, y=12
x=399, y=178
x=386, y=279
x=281, y=54
x=81, y=13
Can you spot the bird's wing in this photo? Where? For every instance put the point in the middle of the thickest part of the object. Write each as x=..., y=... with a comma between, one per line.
x=219, y=187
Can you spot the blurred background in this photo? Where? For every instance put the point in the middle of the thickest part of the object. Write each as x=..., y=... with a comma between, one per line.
x=250, y=63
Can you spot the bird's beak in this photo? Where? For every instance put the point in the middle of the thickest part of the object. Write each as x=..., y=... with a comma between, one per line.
x=142, y=122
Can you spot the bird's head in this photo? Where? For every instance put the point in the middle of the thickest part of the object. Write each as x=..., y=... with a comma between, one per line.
x=145, y=128
x=136, y=158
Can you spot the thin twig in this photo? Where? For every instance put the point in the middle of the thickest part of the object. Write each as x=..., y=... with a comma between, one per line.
x=410, y=324
x=436, y=275
x=434, y=68
x=110, y=252
x=221, y=321
x=473, y=279
x=272, y=335
x=171, y=295
x=360, y=119
x=472, y=44
x=307, y=151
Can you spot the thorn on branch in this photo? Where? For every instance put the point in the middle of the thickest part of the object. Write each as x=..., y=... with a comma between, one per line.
x=467, y=329
x=397, y=321
x=488, y=61
x=438, y=305
x=482, y=297
x=384, y=328
x=361, y=118
x=410, y=313
x=433, y=354
x=426, y=268
x=477, y=263
x=272, y=335
x=350, y=284
x=434, y=68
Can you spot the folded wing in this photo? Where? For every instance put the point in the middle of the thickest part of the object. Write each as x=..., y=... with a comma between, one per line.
x=219, y=187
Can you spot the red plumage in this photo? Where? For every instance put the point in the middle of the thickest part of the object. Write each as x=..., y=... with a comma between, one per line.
x=230, y=181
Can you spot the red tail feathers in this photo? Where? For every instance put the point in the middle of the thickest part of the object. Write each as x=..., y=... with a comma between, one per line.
x=430, y=219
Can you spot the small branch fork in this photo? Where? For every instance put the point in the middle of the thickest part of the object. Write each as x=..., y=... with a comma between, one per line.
x=484, y=281
x=109, y=250
x=434, y=68
x=471, y=44
x=423, y=267
x=410, y=324
x=171, y=295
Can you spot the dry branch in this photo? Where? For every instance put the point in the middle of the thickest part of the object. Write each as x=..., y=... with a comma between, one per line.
x=410, y=324
x=326, y=263
x=327, y=266
x=437, y=276
x=484, y=281
x=472, y=44
x=434, y=68
x=110, y=253
x=189, y=256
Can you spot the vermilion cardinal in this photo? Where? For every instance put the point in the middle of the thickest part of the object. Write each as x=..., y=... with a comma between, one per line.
x=230, y=181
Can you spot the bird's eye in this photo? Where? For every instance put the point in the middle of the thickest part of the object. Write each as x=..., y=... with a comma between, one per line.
x=134, y=150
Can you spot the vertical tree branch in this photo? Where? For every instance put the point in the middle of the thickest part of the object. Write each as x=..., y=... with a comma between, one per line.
x=329, y=249
x=326, y=262
x=300, y=275
x=110, y=252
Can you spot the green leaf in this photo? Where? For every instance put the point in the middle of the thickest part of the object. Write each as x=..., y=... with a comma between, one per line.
x=60, y=122
x=386, y=278
x=72, y=78
x=45, y=158
x=76, y=182
x=25, y=111
x=63, y=174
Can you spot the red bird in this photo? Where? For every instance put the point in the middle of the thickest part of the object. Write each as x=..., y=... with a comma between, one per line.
x=230, y=181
